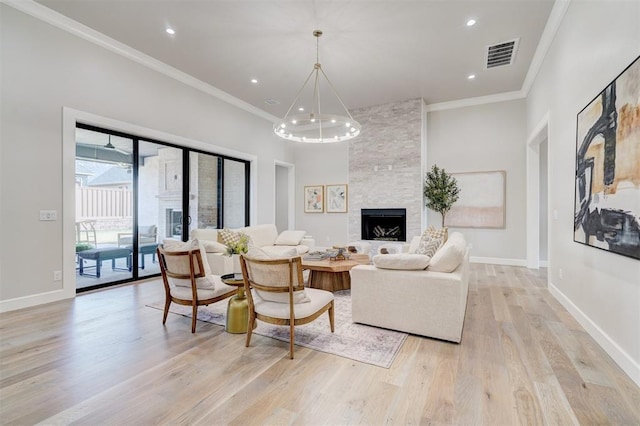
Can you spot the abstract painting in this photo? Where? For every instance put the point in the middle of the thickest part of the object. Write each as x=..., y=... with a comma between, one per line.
x=607, y=187
x=482, y=201
x=314, y=199
x=337, y=198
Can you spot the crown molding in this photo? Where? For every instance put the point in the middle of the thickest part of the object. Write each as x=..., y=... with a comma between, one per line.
x=58, y=20
x=553, y=24
x=481, y=100
x=551, y=28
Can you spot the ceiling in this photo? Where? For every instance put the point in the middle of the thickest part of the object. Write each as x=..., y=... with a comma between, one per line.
x=374, y=52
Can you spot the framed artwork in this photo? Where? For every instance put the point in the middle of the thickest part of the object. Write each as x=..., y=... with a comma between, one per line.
x=314, y=199
x=482, y=202
x=607, y=181
x=337, y=198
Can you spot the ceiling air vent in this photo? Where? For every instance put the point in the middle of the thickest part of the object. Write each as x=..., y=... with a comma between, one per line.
x=271, y=102
x=501, y=54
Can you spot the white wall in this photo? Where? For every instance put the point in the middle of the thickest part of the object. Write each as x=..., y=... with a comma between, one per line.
x=282, y=198
x=544, y=204
x=596, y=41
x=45, y=69
x=321, y=164
x=485, y=138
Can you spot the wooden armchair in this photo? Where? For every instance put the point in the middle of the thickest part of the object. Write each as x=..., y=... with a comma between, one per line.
x=185, y=281
x=279, y=296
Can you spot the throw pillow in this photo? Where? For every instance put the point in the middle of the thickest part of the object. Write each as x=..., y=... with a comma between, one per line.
x=428, y=245
x=442, y=233
x=402, y=261
x=229, y=237
x=172, y=246
x=289, y=238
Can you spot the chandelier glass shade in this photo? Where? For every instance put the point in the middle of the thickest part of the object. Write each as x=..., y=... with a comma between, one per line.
x=317, y=126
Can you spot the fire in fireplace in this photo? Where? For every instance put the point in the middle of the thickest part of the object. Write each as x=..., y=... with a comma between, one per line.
x=384, y=224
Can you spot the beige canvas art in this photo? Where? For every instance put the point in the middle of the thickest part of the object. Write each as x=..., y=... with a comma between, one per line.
x=482, y=201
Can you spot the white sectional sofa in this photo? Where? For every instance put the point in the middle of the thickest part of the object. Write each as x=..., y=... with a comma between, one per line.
x=264, y=236
x=426, y=302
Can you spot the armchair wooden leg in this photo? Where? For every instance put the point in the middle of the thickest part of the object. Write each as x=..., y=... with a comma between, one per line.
x=167, y=303
x=250, y=325
x=292, y=333
x=194, y=316
x=331, y=317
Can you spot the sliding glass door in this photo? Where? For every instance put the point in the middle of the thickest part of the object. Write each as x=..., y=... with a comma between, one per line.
x=132, y=194
x=104, y=208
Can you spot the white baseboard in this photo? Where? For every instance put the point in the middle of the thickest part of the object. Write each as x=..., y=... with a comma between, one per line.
x=33, y=300
x=498, y=261
x=624, y=361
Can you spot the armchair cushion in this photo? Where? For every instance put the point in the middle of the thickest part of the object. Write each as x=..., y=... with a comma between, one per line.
x=289, y=238
x=402, y=261
x=181, y=265
x=316, y=300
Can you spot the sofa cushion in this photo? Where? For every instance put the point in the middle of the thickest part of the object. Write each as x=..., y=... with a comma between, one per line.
x=261, y=235
x=258, y=253
x=403, y=261
x=182, y=266
x=202, y=234
x=450, y=255
x=283, y=251
x=289, y=238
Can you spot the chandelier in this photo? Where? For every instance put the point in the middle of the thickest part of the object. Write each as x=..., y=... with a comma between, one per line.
x=317, y=126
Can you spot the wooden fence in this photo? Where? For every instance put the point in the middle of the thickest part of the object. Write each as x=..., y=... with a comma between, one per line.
x=103, y=203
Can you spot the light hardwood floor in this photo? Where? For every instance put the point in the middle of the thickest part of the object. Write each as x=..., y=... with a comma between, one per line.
x=105, y=358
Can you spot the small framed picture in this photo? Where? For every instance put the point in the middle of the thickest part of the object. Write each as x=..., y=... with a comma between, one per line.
x=314, y=199
x=337, y=198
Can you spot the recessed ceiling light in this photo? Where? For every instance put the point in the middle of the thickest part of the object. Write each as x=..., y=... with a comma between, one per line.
x=471, y=76
x=254, y=80
x=301, y=109
x=471, y=22
x=170, y=31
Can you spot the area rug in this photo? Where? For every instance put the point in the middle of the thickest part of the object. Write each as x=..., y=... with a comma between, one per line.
x=359, y=342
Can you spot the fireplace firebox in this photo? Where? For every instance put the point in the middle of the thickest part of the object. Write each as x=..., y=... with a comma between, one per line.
x=384, y=224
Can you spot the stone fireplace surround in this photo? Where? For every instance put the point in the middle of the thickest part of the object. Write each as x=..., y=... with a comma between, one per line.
x=385, y=165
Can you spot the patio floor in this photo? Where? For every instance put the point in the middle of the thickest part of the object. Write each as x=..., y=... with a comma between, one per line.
x=109, y=275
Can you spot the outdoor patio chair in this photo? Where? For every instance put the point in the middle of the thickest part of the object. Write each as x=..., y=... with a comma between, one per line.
x=279, y=296
x=147, y=234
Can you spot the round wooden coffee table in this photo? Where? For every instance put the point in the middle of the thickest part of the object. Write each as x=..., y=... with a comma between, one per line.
x=330, y=275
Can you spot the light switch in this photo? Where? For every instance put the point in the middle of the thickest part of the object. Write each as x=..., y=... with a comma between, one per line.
x=48, y=215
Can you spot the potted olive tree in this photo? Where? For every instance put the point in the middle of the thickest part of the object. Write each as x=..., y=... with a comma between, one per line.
x=441, y=191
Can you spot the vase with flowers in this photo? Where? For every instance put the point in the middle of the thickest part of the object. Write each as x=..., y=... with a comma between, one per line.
x=235, y=249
